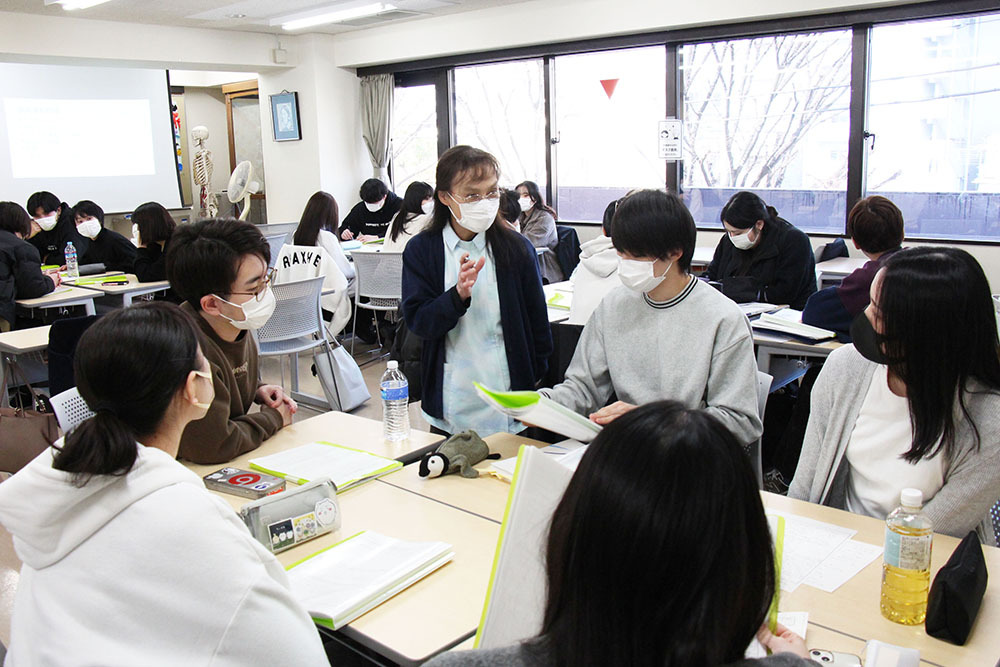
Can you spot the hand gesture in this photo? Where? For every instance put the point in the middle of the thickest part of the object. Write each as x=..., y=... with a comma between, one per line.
x=347, y=235
x=782, y=640
x=467, y=274
x=609, y=413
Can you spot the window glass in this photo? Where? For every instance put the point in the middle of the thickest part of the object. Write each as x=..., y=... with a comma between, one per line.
x=414, y=136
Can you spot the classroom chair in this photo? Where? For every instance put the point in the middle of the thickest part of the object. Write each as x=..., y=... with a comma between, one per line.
x=275, y=241
x=295, y=326
x=63, y=337
x=567, y=250
x=995, y=517
x=379, y=279
x=70, y=409
x=753, y=449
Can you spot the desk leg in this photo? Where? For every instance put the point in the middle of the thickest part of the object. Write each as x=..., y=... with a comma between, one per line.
x=89, y=307
x=5, y=397
x=126, y=300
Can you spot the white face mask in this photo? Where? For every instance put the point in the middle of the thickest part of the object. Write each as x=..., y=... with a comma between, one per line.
x=428, y=206
x=48, y=223
x=743, y=241
x=255, y=313
x=376, y=206
x=206, y=404
x=477, y=216
x=640, y=275
x=135, y=235
x=525, y=203
x=89, y=228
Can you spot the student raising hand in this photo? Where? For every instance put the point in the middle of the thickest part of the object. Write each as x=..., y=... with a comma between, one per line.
x=467, y=275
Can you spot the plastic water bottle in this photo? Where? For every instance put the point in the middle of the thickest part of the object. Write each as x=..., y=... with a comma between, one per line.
x=906, y=563
x=72, y=266
x=395, y=402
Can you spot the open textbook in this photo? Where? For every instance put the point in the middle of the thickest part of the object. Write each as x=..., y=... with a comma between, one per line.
x=345, y=466
x=788, y=321
x=342, y=582
x=533, y=408
x=567, y=453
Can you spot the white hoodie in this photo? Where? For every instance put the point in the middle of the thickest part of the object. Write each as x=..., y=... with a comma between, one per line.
x=146, y=568
x=595, y=276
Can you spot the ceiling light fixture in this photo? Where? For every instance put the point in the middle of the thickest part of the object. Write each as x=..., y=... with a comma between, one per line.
x=333, y=16
x=75, y=4
x=236, y=16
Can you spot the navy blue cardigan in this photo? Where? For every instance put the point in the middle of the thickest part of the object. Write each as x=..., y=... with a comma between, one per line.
x=431, y=312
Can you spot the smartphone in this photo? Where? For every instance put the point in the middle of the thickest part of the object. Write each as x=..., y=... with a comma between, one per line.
x=834, y=658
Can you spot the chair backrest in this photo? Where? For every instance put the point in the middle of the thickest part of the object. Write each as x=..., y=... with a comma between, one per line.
x=70, y=409
x=568, y=249
x=763, y=391
x=63, y=337
x=296, y=313
x=995, y=517
x=379, y=274
x=298, y=262
x=275, y=241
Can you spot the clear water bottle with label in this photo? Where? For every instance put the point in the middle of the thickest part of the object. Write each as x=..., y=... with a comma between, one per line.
x=395, y=403
x=72, y=266
x=906, y=563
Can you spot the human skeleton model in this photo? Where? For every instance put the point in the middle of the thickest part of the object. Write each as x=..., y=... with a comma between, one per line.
x=202, y=167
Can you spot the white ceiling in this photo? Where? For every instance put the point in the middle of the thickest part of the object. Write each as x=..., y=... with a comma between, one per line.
x=224, y=14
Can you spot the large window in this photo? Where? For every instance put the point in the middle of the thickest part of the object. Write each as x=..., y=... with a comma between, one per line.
x=607, y=106
x=934, y=108
x=501, y=109
x=769, y=115
x=414, y=136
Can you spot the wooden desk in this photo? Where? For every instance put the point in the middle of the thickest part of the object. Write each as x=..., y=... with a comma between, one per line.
x=63, y=297
x=14, y=343
x=557, y=314
x=133, y=289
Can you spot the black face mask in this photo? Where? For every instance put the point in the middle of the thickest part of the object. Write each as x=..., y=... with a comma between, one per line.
x=866, y=340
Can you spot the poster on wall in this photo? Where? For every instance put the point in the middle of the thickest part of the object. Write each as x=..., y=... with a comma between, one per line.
x=285, y=116
x=671, y=131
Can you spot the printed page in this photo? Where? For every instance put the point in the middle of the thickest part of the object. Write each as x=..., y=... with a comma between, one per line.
x=807, y=544
x=343, y=465
x=567, y=453
x=840, y=567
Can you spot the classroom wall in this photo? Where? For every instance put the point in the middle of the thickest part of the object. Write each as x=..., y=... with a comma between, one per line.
x=207, y=106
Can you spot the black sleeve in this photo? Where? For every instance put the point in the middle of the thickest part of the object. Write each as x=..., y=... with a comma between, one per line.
x=29, y=280
x=795, y=279
x=149, y=264
x=352, y=221
x=122, y=254
x=714, y=270
x=537, y=311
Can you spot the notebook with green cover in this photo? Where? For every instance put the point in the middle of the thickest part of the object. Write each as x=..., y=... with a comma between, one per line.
x=533, y=408
x=347, y=467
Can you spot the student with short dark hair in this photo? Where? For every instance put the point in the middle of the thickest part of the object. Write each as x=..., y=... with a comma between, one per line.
x=875, y=225
x=370, y=217
x=413, y=217
x=915, y=401
x=510, y=209
x=21, y=276
x=472, y=292
x=538, y=223
x=220, y=268
x=664, y=334
x=154, y=226
x=52, y=227
x=597, y=272
x=762, y=257
x=664, y=506
x=122, y=547
x=106, y=246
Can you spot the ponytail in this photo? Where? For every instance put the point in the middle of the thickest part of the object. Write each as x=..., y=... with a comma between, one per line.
x=101, y=445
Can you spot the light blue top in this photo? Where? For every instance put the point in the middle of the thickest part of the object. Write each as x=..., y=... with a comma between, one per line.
x=474, y=349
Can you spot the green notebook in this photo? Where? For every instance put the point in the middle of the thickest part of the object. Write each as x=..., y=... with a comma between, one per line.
x=533, y=408
x=561, y=300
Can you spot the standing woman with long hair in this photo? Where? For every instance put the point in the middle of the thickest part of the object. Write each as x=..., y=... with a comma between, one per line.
x=914, y=401
x=414, y=215
x=316, y=228
x=472, y=291
x=658, y=555
x=538, y=223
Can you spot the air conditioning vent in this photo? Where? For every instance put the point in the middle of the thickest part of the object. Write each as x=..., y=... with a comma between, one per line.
x=384, y=17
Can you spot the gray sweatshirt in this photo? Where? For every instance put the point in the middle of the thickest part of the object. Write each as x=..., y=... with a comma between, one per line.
x=972, y=479
x=696, y=348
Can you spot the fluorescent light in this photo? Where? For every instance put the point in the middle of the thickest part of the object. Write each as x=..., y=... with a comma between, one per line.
x=80, y=4
x=332, y=17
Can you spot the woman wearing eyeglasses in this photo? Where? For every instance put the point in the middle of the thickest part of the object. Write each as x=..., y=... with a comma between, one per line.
x=472, y=291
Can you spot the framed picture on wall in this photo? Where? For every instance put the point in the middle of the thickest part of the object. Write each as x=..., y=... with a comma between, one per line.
x=285, y=116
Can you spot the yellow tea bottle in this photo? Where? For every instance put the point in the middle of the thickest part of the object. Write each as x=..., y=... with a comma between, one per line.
x=906, y=562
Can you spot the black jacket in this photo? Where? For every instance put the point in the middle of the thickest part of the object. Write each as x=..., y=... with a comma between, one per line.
x=781, y=269
x=150, y=263
x=112, y=250
x=20, y=275
x=51, y=245
x=362, y=221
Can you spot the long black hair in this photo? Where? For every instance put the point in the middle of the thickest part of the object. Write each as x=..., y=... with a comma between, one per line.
x=155, y=223
x=128, y=367
x=744, y=209
x=416, y=193
x=939, y=332
x=536, y=197
x=659, y=553
x=321, y=212
x=462, y=162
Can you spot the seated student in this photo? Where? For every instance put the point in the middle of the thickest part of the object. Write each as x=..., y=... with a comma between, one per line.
x=665, y=508
x=21, y=276
x=106, y=247
x=875, y=225
x=510, y=209
x=665, y=334
x=319, y=218
x=154, y=227
x=597, y=272
x=370, y=217
x=413, y=217
x=915, y=401
x=762, y=257
x=219, y=267
x=123, y=549
x=538, y=223
x=472, y=292
x=52, y=227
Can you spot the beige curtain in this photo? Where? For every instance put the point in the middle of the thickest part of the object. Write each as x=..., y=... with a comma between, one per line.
x=376, y=120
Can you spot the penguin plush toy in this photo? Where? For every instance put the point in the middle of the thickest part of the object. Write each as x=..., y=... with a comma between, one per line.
x=456, y=454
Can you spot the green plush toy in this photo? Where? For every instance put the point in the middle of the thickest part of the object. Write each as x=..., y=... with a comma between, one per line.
x=456, y=454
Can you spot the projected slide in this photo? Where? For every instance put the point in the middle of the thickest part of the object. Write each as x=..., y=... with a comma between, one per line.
x=66, y=138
